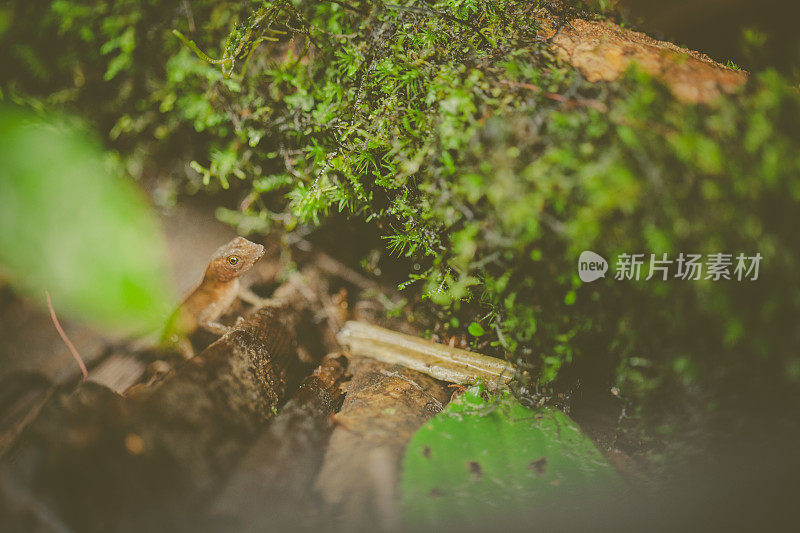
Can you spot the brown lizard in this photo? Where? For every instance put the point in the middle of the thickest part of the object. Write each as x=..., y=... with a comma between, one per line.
x=203, y=306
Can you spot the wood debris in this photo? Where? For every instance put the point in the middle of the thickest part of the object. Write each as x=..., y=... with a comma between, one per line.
x=437, y=360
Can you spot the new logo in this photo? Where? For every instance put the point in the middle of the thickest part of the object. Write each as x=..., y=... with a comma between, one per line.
x=591, y=266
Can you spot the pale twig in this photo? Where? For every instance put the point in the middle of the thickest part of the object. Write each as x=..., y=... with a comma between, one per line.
x=437, y=360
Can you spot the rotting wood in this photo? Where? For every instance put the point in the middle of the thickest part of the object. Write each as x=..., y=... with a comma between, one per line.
x=603, y=51
x=96, y=461
x=437, y=360
x=272, y=484
x=383, y=408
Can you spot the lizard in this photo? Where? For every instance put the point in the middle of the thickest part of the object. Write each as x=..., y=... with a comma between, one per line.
x=219, y=288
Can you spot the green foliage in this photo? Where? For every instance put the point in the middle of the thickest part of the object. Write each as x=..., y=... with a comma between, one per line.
x=451, y=129
x=72, y=227
x=493, y=456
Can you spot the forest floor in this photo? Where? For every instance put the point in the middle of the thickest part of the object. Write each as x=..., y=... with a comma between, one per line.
x=37, y=366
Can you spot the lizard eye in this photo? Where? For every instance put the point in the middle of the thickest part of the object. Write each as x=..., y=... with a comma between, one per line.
x=233, y=260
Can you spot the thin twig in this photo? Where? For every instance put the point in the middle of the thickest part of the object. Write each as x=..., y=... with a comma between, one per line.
x=66, y=340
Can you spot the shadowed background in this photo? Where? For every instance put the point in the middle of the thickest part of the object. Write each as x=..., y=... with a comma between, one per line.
x=717, y=27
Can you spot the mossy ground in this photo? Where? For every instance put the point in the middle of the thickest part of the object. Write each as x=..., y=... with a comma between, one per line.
x=450, y=131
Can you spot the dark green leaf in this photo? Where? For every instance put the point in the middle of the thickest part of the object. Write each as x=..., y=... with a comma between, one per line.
x=493, y=455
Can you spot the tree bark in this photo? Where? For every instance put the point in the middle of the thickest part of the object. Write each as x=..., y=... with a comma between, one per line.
x=603, y=51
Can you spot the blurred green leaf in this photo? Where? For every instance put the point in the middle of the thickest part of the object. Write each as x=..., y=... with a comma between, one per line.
x=70, y=226
x=494, y=455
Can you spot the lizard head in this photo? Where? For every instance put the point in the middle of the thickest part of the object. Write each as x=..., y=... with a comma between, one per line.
x=234, y=259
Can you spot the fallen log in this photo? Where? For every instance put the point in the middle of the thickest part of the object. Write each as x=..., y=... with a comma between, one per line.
x=96, y=461
x=383, y=408
x=273, y=483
